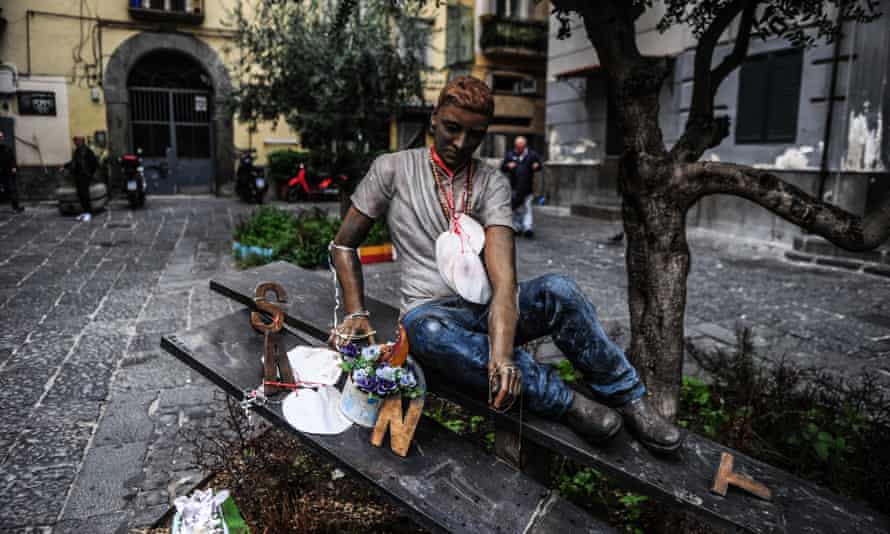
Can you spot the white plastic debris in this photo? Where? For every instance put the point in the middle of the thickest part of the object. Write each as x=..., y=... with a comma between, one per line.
x=200, y=513
x=337, y=474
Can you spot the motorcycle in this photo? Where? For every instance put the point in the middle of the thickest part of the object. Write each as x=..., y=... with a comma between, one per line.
x=303, y=187
x=251, y=184
x=134, y=178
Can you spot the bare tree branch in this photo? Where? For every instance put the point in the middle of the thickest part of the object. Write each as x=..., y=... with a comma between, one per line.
x=739, y=50
x=702, y=130
x=702, y=104
x=693, y=181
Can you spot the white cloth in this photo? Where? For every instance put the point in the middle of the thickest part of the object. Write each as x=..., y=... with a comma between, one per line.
x=315, y=411
x=315, y=364
x=523, y=216
x=457, y=258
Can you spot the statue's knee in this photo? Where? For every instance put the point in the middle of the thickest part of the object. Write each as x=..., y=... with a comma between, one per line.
x=561, y=286
x=424, y=331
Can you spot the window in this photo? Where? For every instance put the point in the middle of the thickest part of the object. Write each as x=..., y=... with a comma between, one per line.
x=514, y=84
x=418, y=42
x=513, y=9
x=459, y=35
x=769, y=94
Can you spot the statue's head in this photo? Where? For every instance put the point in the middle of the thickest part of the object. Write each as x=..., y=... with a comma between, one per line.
x=461, y=118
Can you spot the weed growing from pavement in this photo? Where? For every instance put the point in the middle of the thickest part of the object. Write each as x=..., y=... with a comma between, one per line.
x=815, y=424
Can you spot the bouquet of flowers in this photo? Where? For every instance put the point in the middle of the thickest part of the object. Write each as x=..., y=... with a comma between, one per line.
x=372, y=373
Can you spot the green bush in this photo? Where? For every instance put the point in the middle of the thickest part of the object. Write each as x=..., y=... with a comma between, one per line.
x=283, y=164
x=301, y=239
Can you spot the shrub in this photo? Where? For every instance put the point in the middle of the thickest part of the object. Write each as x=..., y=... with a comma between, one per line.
x=283, y=164
x=301, y=239
x=818, y=425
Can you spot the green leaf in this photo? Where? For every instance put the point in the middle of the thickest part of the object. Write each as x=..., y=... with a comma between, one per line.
x=821, y=449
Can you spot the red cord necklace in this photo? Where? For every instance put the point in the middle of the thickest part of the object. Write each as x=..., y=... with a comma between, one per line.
x=446, y=196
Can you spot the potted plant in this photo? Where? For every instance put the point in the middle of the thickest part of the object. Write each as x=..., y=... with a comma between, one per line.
x=373, y=374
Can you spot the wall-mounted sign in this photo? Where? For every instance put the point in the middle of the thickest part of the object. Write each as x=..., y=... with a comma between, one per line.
x=37, y=103
x=200, y=103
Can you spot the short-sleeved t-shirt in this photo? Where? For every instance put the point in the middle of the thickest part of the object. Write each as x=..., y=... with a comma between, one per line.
x=401, y=186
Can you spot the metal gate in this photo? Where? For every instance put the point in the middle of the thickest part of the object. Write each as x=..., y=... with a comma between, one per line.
x=173, y=129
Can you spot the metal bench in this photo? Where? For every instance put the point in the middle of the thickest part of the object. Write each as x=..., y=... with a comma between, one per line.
x=684, y=481
x=446, y=483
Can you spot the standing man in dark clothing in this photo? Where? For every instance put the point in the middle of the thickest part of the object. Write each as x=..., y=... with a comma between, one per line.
x=82, y=166
x=8, y=173
x=520, y=165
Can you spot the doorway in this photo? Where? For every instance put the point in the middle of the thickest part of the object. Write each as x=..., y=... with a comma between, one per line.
x=171, y=120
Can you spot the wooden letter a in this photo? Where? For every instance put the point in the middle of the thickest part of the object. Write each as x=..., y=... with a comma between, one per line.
x=401, y=430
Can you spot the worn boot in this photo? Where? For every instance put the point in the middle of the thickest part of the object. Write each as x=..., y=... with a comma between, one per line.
x=591, y=420
x=650, y=427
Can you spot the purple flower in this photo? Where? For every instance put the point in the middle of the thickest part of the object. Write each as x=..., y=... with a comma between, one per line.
x=407, y=380
x=385, y=387
x=350, y=350
x=363, y=381
x=371, y=353
x=387, y=373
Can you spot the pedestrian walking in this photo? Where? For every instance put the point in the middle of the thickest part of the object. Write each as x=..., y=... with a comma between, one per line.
x=520, y=165
x=8, y=171
x=82, y=167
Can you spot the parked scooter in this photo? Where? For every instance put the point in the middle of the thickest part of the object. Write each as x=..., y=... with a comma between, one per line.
x=134, y=178
x=251, y=183
x=303, y=187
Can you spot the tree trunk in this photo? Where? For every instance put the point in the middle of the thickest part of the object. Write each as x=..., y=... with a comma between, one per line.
x=657, y=268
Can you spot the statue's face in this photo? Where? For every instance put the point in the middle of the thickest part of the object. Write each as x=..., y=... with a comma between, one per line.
x=457, y=133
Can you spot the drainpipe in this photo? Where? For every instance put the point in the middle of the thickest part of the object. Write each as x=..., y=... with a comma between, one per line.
x=829, y=116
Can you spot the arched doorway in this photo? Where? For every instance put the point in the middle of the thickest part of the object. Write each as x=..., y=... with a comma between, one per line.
x=157, y=79
x=170, y=120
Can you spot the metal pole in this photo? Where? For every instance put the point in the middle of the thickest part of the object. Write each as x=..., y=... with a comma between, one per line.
x=829, y=116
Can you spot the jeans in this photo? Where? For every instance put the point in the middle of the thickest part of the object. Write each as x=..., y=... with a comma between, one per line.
x=450, y=338
x=523, y=216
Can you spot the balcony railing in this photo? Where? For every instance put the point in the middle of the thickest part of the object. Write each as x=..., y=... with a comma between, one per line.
x=501, y=36
x=183, y=11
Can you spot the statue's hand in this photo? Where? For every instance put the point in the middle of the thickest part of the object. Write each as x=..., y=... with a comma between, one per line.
x=504, y=382
x=350, y=327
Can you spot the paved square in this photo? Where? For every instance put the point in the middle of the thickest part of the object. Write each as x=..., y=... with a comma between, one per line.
x=92, y=408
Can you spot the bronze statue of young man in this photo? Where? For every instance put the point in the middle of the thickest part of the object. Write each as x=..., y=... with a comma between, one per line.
x=468, y=324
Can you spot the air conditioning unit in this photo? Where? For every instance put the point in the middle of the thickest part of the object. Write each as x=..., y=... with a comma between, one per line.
x=7, y=79
x=528, y=86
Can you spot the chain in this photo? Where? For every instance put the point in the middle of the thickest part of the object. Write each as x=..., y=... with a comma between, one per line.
x=441, y=192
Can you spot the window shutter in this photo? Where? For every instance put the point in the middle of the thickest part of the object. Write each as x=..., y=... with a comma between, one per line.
x=784, y=96
x=467, y=35
x=452, y=35
x=752, y=104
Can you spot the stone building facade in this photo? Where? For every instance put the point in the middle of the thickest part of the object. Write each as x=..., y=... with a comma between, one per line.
x=813, y=116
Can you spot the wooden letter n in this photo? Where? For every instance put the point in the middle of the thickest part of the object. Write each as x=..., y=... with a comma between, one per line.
x=401, y=430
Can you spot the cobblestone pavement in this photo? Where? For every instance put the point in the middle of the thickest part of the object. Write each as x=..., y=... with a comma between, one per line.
x=92, y=409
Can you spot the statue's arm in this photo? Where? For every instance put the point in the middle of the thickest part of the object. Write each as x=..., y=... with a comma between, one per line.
x=353, y=231
x=500, y=261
